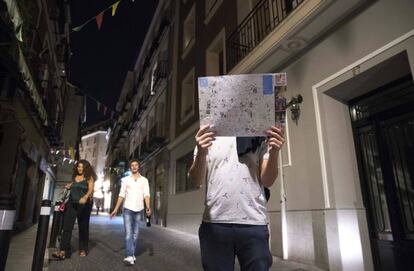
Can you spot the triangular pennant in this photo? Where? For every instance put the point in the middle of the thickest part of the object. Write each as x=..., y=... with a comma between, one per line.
x=99, y=19
x=72, y=153
x=114, y=7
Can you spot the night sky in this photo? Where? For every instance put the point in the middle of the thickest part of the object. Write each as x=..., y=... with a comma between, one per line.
x=102, y=57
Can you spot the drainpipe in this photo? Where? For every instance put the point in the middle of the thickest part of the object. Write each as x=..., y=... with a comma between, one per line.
x=283, y=208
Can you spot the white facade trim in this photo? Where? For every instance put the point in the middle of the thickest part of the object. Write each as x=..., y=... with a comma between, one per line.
x=93, y=134
x=317, y=90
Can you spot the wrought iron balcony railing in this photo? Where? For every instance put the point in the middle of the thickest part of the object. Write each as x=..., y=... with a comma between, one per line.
x=262, y=20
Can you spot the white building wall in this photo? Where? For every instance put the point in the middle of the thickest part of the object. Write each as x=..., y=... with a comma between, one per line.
x=326, y=220
x=94, y=150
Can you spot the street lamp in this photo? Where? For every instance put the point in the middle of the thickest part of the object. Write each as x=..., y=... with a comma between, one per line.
x=294, y=105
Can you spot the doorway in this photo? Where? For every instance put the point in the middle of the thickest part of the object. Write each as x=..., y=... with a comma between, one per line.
x=383, y=128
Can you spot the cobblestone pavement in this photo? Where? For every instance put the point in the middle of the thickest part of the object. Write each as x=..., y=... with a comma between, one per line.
x=159, y=249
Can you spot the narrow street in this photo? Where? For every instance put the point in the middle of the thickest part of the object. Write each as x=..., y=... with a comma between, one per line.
x=159, y=249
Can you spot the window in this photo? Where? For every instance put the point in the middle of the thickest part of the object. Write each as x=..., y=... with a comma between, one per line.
x=187, y=97
x=215, y=58
x=189, y=31
x=183, y=182
x=211, y=8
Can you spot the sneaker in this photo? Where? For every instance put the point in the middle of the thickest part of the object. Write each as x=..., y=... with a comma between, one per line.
x=133, y=257
x=129, y=260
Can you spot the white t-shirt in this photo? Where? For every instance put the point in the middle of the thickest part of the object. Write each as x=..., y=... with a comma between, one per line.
x=97, y=191
x=134, y=191
x=234, y=193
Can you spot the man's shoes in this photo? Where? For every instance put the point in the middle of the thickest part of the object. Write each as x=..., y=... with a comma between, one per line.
x=129, y=260
x=133, y=256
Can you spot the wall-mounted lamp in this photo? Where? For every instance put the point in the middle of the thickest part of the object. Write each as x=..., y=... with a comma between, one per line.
x=293, y=104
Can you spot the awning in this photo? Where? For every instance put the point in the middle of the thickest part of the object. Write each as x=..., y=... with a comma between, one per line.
x=15, y=17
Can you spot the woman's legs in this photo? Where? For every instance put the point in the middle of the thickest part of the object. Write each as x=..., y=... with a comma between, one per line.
x=68, y=222
x=83, y=222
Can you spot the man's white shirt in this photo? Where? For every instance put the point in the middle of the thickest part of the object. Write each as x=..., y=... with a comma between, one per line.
x=134, y=191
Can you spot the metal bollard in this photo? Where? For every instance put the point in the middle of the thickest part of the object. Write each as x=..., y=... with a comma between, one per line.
x=7, y=213
x=41, y=238
x=54, y=231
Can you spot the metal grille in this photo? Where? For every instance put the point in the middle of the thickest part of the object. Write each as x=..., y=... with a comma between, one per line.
x=399, y=135
x=263, y=18
x=374, y=179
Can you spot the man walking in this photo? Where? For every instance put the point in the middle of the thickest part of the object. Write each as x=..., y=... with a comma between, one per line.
x=235, y=172
x=134, y=190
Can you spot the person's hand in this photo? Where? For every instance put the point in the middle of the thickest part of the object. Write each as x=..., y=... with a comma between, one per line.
x=68, y=186
x=148, y=211
x=276, y=138
x=204, y=139
x=113, y=213
x=83, y=200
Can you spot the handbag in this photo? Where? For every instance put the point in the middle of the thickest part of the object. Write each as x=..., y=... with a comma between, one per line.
x=64, y=199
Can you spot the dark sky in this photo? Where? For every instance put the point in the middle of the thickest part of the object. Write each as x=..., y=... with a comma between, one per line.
x=102, y=57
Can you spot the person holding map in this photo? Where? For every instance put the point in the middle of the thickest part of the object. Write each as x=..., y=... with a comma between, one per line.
x=235, y=171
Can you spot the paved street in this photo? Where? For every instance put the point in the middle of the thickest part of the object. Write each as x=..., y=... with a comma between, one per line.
x=159, y=249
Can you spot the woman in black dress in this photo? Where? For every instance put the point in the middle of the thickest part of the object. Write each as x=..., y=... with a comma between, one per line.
x=77, y=207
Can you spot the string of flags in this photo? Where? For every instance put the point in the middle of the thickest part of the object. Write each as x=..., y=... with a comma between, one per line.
x=101, y=107
x=98, y=18
x=63, y=155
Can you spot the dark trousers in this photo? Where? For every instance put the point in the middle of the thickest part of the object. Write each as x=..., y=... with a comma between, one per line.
x=83, y=223
x=220, y=243
x=73, y=211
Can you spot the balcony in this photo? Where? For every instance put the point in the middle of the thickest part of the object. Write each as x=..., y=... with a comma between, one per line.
x=277, y=30
x=263, y=18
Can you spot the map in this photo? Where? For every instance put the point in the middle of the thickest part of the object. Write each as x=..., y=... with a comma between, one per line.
x=238, y=105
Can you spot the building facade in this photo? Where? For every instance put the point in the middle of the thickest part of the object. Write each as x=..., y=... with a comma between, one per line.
x=344, y=196
x=33, y=97
x=142, y=129
x=93, y=147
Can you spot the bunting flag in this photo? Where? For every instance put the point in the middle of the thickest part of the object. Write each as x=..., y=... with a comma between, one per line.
x=99, y=19
x=72, y=152
x=114, y=7
x=100, y=107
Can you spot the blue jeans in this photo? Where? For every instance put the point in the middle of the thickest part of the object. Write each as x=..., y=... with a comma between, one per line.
x=131, y=224
x=220, y=243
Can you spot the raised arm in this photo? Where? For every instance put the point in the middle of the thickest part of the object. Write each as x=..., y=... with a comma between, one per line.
x=204, y=139
x=268, y=167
